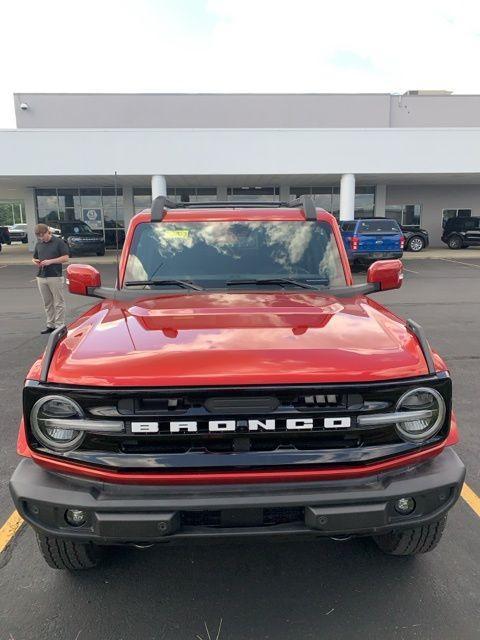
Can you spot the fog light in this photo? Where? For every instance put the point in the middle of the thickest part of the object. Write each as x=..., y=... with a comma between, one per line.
x=75, y=517
x=405, y=506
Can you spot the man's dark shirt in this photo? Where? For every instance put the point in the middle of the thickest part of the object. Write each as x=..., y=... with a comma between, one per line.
x=54, y=248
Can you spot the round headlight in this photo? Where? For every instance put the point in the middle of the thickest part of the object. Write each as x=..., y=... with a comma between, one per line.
x=43, y=417
x=421, y=400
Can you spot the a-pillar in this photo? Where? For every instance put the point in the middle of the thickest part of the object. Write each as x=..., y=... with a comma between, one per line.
x=347, y=196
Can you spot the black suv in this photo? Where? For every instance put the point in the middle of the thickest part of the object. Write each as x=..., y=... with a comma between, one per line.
x=416, y=239
x=460, y=233
x=80, y=238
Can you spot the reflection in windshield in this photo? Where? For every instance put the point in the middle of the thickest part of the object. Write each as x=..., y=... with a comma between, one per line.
x=210, y=253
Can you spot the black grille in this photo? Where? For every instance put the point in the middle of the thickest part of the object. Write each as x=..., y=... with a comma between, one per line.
x=207, y=449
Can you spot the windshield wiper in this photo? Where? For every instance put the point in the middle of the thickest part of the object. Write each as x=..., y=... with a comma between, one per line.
x=161, y=283
x=282, y=282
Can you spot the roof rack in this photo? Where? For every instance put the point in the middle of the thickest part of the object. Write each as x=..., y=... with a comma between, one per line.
x=161, y=204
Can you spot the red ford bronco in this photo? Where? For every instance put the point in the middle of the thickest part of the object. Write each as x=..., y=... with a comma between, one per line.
x=235, y=383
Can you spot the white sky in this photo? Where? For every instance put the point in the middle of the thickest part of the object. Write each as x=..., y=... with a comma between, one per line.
x=236, y=45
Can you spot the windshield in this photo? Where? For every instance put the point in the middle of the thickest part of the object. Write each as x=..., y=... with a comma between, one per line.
x=214, y=253
x=378, y=226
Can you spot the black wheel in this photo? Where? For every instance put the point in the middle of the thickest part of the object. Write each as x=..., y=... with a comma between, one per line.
x=101, y=253
x=415, y=243
x=455, y=242
x=24, y=240
x=409, y=542
x=61, y=553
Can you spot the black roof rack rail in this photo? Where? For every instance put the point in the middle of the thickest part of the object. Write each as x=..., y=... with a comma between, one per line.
x=159, y=206
x=162, y=203
x=308, y=205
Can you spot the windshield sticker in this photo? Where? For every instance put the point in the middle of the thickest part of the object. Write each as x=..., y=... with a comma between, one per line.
x=176, y=233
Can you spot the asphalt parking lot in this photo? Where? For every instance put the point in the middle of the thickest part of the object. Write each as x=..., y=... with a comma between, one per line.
x=286, y=590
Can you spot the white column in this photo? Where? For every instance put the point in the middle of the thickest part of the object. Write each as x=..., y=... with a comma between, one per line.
x=31, y=217
x=347, y=196
x=380, y=200
x=159, y=186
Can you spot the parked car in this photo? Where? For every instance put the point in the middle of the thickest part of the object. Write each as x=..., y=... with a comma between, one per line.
x=4, y=236
x=370, y=239
x=236, y=383
x=18, y=233
x=460, y=233
x=416, y=239
x=80, y=239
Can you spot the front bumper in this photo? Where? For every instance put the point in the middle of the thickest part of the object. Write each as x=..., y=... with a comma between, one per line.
x=126, y=514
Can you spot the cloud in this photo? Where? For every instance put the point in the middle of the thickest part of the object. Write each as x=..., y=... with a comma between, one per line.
x=236, y=45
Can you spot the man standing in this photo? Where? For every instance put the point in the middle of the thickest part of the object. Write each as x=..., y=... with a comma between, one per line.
x=50, y=253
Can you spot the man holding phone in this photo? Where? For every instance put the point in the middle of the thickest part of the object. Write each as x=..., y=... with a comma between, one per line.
x=49, y=255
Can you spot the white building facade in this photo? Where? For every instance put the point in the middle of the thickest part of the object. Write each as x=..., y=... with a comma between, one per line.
x=414, y=157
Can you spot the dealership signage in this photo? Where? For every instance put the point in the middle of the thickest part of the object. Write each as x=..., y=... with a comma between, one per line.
x=94, y=218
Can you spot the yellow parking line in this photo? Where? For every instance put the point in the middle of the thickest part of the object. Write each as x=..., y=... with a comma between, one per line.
x=471, y=499
x=11, y=527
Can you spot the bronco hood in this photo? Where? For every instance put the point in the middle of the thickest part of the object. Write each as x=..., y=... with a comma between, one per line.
x=214, y=339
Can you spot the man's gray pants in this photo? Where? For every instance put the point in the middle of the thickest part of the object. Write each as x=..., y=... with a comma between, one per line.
x=51, y=290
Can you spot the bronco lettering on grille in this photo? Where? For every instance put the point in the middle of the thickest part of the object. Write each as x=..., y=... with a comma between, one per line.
x=253, y=425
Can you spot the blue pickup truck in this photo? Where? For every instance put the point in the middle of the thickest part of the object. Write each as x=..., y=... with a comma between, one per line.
x=372, y=239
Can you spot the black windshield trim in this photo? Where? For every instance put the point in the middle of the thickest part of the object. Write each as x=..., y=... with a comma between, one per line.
x=132, y=294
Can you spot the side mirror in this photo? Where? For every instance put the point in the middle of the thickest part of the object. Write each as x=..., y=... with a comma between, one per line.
x=386, y=274
x=82, y=277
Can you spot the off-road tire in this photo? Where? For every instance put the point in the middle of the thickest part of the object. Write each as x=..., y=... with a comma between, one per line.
x=60, y=553
x=409, y=542
x=415, y=241
x=24, y=240
x=455, y=242
x=101, y=253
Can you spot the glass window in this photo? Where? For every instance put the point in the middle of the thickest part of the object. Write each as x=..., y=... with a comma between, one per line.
x=47, y=205
x=91, y=198
x=405, y=214
x=411, y=215
x=364, y=205
x=205, y=194
x=322, y=196
x=259, y=194
x=11, y=212
x=378, y=225
x=142, y=199
x=113, y=212
x=212, y=253
x=447, y=214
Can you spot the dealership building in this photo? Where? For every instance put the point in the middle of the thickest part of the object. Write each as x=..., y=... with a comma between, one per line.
x=414, y=157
